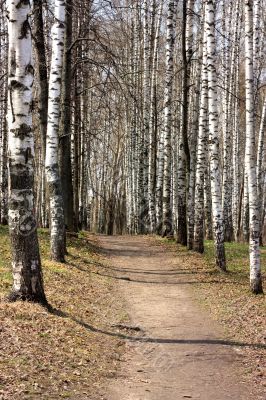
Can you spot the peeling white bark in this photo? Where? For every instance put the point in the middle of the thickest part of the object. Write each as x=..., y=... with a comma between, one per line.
x=214, y=147
x=27, y=282
x=57, y=226
x=201, y=154
x=250, y=155
x=167, y=228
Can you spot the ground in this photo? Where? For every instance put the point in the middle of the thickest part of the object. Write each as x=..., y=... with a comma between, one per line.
x=133, y=316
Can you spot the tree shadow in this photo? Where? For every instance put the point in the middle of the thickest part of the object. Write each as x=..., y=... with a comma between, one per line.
x=129, y=279
x=146, y=339
x=166, y=272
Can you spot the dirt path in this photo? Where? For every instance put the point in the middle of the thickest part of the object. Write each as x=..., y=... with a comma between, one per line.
x=178, y=351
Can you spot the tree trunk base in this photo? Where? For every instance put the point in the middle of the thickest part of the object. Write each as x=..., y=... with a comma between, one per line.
x=256, y=286
x=220, y=256
x=33, y=298
x=190, y=245
x=159, y=229
x=221, y=264
x=198, y=247
x=167, y=235
x=59, y=259
x=181, y=240
x=182, y=225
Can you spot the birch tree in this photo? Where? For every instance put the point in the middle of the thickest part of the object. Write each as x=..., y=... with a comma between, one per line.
x=143, y=167
x=65, y=124
x=250, y=155
x=214, y=148
x=227, y=116
x=261, y=167
x=57, y=225
x=153, y=124
x=26, y=264
x=184, y=151
x=41, y=67
x=170, y=41
x=198, y=244
x=3, y=120
x=192, y=104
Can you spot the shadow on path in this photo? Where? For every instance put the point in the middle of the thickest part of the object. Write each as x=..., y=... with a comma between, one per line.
x=144, y=339
x=166, y=273
x=129, y=279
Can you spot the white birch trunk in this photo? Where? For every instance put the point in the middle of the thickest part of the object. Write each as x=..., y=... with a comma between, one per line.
x=26, y=264
x=198, y=244
x=57, y=227
x=144, y=139
x=167, y=228
x=235, y=117
x=3, y=120
x=214, y=148
x=208, y=221
x=250, y=155
x=193, y=131
x=153, y=126
x=261, y=170
x=227, y=118
x=256, y=43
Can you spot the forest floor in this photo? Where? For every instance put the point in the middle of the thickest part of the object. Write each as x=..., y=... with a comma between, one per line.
x=64, y=353
x=133, y=318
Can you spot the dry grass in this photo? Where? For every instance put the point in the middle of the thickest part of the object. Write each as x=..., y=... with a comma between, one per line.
x=228, y=298
x=60, y=354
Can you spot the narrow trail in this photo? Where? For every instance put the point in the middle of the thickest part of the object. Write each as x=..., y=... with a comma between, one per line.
x=179, y=352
